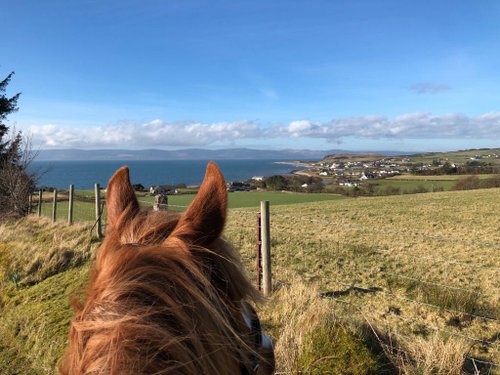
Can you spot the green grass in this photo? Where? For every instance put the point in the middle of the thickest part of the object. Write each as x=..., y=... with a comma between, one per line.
x=456, y=156
x=444, y=177
x=253, y=199
x=85, y=211
x=82, y=211
x=34, y=323
x=332, y=349
x=410, y=185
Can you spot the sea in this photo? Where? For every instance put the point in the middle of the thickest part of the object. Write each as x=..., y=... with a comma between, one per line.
x=84, y=174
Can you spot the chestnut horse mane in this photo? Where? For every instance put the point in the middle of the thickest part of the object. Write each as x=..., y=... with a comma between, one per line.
x=165, y=291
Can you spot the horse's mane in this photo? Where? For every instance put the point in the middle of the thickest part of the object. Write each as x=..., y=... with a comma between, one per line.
x=165, y=292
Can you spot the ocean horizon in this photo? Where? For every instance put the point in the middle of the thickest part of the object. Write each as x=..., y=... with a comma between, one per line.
x=84, y=174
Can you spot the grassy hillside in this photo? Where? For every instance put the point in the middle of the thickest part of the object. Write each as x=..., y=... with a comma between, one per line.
x=408, y=182
x=458, y=156
x=421, y=271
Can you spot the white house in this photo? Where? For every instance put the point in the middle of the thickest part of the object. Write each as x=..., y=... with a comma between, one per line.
x=349, y=183
x=162, y=189
x=366, y=176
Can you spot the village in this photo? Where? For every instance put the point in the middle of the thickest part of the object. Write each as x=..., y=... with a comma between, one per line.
x=353, y=170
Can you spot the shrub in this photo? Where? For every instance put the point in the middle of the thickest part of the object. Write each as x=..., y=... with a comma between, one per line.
x=276, y=182
x=420, y=189
x=391, y=190
x=492, y=182
x=467, y=183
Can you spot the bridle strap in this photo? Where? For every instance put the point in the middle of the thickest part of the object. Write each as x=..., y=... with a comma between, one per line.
x=259, y=339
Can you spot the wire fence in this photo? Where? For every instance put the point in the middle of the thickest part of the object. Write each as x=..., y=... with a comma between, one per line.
x=486, y=365
x=487, y=333
x=457, y=308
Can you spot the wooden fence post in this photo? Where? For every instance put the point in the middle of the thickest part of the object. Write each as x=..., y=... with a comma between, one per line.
x=70, y=203
x=98, y=211
x=40, y=195
x=30, y=203
x=258, y=252
x=265, y=236
x=54, y=207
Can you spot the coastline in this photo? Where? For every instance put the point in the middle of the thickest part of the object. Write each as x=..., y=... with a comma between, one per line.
x=307, y=173
x=300, y=172
x=296, y=163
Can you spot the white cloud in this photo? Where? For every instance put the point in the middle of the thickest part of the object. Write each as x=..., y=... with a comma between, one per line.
x=158, y=133
x=410, y=126
x=155, y=133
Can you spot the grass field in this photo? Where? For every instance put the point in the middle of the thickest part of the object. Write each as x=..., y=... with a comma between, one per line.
x=421, y=269
x=253, y=198
x=410, y=185
x=446, y=177
x=373, y=252
x=456, y=156
x=85, y=211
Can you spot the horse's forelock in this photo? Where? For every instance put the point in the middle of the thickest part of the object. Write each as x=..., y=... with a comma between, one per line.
x=165, y=299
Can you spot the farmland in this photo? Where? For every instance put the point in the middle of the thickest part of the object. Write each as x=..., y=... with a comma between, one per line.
x=85, y=210
x=489, y=155
x=423, y=268
x=410, y=184
x=431, y=183
x=382, y=253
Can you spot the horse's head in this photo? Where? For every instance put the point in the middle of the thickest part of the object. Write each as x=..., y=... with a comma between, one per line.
x=167, y=294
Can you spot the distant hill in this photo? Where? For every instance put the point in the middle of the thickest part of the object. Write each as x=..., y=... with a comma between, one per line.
x=486, y=155
x=351, y=156
x=489, y=155
x=188, y=154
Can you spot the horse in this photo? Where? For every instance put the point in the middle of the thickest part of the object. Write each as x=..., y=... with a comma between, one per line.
x=167, y=294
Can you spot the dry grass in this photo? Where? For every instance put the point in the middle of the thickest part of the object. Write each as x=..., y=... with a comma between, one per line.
x=311, y=339
x=326, y=247
x=433, y=355
x=52, y=263
x=317, y=335
x=34, y=249
x=448, y=238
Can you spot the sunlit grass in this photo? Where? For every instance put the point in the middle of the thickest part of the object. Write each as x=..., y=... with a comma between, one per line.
x=349, y=250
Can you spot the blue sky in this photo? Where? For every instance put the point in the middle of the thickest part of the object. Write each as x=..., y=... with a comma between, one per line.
x=359, y=75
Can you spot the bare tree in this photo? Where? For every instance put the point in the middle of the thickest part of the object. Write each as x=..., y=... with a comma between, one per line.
x=16, y=180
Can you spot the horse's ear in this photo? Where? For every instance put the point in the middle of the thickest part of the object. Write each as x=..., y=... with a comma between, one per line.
x=122, y=203
x=204, y=219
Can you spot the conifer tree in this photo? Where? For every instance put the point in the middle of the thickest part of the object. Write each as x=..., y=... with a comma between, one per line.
x=7, y=106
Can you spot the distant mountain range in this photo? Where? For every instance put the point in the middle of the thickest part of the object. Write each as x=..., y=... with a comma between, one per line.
x=192, y=154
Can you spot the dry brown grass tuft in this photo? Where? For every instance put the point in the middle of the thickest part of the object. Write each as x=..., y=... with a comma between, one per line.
x=294, y=311
x=34, y=248
x=311, y=332
x=310, y=338
x=432, y=355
